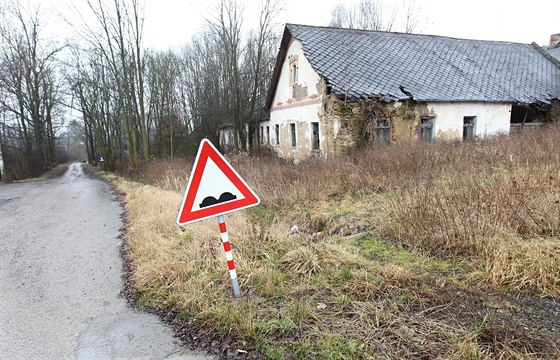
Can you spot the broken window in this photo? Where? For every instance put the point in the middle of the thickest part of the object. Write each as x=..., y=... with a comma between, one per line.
x=277, y=131
x=315, y=135
x=523, y=115
x=526, y=118
x=426, y=128
x=268, y=135
x=468, y=127
x=383, y=131
x=293, y=134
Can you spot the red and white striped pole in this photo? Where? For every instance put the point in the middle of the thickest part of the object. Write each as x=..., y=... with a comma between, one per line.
x=229, y=256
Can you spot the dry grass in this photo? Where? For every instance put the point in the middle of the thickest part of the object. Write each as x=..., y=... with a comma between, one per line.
x=465, y=217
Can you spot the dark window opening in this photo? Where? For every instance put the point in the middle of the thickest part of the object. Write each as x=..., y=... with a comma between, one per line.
x=525, y=118
x=426, y=128
x=468, y=127
x=522, y=115
x=383, y=131
x=277, y=131
x=293, y=134
x=315, y=135
x=262, y=134
x=268, y=135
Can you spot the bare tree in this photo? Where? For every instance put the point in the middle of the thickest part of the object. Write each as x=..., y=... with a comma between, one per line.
x=161, y=102
x=116, y=33
x=30, y=92
x=246, y=63
x=376, y=15
x=411, y=12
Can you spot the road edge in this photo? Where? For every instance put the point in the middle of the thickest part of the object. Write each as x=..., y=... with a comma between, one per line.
x=190, y=334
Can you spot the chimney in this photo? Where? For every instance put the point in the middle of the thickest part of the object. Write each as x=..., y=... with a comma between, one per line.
x=554, y=41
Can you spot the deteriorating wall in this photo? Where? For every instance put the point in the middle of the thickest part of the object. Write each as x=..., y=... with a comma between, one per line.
x=554, y=113
x=350, y=124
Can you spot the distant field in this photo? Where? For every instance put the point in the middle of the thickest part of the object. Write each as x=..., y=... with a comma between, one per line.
x=414, y=250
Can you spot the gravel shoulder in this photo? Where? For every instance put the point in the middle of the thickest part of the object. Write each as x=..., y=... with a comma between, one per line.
x=60, y=276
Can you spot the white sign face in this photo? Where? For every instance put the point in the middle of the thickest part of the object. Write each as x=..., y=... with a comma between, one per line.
x=214, y=183
x=214, y=188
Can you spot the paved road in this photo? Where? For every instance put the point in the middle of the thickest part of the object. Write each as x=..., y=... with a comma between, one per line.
x=60, y=277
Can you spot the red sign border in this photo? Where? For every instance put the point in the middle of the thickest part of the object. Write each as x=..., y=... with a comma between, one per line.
x=207, y=150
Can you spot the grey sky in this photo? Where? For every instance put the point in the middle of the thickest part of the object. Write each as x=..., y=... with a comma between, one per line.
x=171, y=23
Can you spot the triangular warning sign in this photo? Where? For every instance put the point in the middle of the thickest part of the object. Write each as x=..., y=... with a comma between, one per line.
x=214, y=188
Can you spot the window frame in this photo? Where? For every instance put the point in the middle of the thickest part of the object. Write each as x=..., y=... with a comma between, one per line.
x=315, y=136
x=426, y=126
x=383, y=131
x=469, y=127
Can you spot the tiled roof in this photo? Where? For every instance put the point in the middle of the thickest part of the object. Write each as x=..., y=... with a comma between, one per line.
x=392, y=66
x=555, y=52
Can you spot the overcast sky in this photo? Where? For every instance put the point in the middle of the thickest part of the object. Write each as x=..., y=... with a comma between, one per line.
x=171, y=23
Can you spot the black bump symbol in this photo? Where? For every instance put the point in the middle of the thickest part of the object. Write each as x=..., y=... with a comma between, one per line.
x=210, y=200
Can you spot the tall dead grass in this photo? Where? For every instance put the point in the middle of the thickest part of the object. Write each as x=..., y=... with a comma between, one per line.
x=310, y=293
x=448, y=199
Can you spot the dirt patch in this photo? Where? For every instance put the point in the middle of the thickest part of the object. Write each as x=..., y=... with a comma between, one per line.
x=501, y=323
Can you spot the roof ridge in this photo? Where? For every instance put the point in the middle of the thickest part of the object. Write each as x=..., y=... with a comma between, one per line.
x=402, y=33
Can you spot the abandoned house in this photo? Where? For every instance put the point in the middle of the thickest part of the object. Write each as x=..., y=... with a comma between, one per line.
x=333, y=89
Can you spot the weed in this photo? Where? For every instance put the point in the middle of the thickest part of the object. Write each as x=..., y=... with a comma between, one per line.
x=275, y=352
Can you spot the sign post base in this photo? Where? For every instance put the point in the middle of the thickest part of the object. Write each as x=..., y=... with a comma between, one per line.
x=229, y=256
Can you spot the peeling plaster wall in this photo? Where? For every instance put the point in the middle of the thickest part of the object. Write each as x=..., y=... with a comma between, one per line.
x=307, y=79
x=302, y=117
x=350, y=124
x=302, y=109
x=491, y=119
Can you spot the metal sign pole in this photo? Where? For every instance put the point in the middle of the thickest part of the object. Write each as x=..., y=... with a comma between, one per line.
x=229, y=256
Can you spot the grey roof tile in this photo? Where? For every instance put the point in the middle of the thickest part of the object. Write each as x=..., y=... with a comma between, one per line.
x=555, y=52
x=373, y=63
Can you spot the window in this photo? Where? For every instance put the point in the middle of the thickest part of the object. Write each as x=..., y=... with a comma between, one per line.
x=293, y=72
x=315, y=135
x=262, y=134
x=426, y=128
x=268, y=135
x=293, y=75
x=293, y=134
x=277, y=131
x=383, y=131
x=468, y=127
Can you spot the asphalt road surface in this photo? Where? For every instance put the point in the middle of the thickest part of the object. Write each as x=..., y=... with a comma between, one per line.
x=60, y=277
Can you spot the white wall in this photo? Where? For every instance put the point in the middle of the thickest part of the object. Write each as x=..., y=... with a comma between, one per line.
x=491, y=119
x=306, y=76
x=286, y=110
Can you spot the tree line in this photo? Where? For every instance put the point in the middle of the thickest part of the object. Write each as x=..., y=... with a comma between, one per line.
x=135, y=103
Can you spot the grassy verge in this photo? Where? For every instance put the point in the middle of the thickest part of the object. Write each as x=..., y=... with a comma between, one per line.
x=441, y=250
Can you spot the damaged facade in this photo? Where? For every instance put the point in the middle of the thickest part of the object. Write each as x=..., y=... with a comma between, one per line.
x=334, y=89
